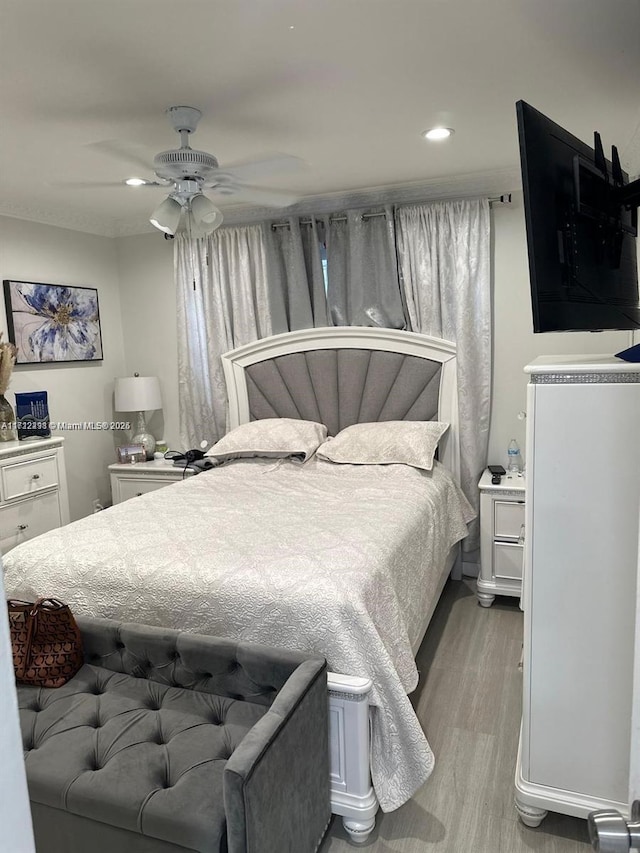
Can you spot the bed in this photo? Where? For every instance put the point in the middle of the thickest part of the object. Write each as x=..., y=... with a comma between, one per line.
x=345, y=560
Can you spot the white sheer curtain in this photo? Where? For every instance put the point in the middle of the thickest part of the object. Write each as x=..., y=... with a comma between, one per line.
x=444, y=262
x=222, y=303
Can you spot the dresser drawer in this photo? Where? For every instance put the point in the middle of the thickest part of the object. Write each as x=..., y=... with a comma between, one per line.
x=507, y=560
x=20, y=479
x=130, y=488
x=508, y=519
x=23, y=520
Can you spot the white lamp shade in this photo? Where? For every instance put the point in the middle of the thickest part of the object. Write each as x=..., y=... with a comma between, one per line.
x=166, y=216
x=138, y=394
x=206, y=215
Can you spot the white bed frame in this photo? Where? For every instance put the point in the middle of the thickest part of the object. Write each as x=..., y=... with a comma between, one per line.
x=352, y=795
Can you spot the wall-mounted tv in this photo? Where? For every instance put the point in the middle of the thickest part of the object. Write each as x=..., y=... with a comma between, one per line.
x=581, y=219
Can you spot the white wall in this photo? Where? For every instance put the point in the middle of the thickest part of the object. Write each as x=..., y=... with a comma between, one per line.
x=515, y=345
x=15, y=816
x=148, y=299
x=77, y=392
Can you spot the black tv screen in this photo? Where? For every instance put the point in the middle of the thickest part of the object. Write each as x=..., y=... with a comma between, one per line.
x=581, y=238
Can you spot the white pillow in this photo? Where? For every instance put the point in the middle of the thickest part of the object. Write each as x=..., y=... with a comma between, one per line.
x=385, y=443
x=271, y=437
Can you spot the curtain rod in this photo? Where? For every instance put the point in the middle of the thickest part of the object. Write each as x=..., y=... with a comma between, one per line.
x=505, y=198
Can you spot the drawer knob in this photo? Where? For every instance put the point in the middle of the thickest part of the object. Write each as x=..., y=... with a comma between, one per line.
x=138, y=494
x=22, y=526
x=36, y=476
x=521, y=537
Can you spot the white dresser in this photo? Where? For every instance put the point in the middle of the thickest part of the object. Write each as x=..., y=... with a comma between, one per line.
x=580, y=586
x=33, y=489
x=133, y=480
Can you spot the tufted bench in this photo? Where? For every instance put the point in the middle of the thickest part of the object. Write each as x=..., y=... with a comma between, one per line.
x=166, y=741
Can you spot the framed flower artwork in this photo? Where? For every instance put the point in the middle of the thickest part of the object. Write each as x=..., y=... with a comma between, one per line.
x=53, y=322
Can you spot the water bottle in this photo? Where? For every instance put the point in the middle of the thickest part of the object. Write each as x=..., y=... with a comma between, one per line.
x=514, y=465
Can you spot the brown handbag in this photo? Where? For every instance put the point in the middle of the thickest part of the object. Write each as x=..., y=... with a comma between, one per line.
x=46, y=642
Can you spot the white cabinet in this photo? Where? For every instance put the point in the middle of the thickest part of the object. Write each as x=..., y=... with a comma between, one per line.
x=130, y=481
x=580, y=586
x=502, y=526
x=33, y=489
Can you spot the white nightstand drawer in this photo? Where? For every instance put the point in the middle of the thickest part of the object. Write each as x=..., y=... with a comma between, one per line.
x=20, y=479
x=130, y=488
x=507, y=560
x=508, y=519
x=130, y=481
x=25, y=519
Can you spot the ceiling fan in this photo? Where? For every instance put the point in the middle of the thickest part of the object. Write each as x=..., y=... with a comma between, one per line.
x=187, y=172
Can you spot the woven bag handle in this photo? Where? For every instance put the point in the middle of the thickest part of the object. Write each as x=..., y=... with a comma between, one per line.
x=17, y=602
x=31, y=620
x=47, y=603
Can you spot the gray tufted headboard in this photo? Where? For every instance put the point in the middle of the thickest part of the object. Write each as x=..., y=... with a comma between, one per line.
x=345, y=375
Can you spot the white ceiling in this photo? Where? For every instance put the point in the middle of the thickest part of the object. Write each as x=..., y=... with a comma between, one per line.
x=348, y=90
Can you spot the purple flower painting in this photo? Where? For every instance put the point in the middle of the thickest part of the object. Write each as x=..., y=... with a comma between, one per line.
x=52, y=322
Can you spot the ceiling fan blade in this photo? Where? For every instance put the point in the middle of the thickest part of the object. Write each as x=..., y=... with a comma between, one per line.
x=255, y=169
x=132, y=155
x=84, y=185
x=257, y=195
x=92, y=185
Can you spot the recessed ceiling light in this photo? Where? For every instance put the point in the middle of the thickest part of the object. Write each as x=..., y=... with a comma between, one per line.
x=438, y=133
x=135, y=182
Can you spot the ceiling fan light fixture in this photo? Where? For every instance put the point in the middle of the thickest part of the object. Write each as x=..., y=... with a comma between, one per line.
x=135, y=182
x=166, y=216
x=205, y=214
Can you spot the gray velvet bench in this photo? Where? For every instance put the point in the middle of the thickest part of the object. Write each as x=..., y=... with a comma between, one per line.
x=166, y=741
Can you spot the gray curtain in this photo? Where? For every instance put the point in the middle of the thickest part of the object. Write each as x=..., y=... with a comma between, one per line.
x=363, y=287
x=296, y=281
x=444, y=261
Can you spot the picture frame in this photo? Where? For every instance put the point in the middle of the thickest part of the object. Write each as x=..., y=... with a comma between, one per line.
x=53, y=323
x=131, y=453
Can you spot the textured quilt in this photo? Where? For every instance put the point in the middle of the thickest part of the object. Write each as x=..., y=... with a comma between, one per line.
x=339, y=559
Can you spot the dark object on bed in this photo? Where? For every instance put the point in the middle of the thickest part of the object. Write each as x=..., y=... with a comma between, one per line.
x=166, y=741
x=182, y=459
x=45, y=642
x=193, y=460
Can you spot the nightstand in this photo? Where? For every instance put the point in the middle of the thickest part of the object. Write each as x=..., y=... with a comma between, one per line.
x=132, y=480
x=33, y=489
x=501, y=537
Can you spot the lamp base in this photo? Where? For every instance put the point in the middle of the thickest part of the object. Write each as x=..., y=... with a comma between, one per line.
x=144, y=437
x=147, y=441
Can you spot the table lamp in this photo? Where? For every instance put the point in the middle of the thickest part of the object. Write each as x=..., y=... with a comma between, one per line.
x=139, y=394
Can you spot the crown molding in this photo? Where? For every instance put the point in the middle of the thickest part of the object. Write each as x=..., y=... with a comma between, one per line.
x=60, y=218
x=474, y=185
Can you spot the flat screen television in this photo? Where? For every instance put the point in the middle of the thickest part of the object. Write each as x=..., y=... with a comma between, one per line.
x=581, y=219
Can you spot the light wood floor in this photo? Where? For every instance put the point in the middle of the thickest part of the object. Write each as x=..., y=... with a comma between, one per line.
x=469, y=703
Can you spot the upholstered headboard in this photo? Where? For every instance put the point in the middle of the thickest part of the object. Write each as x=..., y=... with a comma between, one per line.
x=345, y=375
